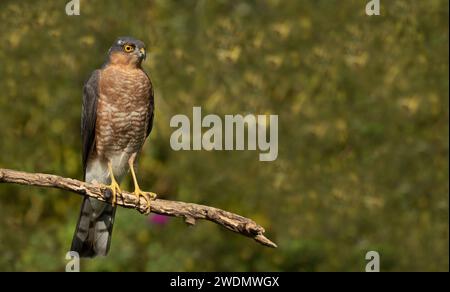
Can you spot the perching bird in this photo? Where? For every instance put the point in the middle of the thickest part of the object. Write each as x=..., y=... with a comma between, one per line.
x=117, y=117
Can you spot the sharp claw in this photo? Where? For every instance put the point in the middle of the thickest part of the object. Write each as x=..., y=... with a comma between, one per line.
x=148, y=196
x=114, y=187
x=153, y=196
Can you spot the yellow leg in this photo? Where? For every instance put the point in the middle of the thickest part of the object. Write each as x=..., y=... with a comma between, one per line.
x=114, y=186
x=148, y=196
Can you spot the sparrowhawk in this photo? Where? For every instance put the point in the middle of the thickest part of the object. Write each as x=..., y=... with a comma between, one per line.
x=117, y=117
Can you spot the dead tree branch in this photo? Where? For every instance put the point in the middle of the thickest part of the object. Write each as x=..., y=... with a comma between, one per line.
x=189, y=211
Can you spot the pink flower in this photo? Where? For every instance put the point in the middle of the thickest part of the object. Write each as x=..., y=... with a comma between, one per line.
x=158, y=219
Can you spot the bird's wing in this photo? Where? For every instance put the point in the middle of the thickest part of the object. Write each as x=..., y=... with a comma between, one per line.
x=151, y=110
x=89, y=115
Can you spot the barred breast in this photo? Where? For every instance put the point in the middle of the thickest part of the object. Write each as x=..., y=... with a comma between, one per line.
x=124, y=97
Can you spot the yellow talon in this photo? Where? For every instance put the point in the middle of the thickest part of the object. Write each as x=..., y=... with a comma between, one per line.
x=148, y=196
x=114, y=186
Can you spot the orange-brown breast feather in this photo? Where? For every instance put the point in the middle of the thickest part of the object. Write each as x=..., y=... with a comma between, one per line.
x=122, y=111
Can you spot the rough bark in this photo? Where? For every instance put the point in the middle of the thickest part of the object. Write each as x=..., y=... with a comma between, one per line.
x=189, y=211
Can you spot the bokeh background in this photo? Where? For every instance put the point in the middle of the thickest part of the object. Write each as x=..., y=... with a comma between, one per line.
x=363, y=131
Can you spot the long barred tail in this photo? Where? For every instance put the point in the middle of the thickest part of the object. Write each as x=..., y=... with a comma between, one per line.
x=94, y=228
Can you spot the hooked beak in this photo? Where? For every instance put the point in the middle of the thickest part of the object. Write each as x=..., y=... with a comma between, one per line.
x=142, y=53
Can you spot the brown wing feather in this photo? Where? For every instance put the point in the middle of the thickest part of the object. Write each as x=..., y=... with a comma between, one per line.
x=89, y=116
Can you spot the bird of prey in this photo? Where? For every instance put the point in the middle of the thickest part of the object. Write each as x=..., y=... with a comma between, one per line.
x=117, y=117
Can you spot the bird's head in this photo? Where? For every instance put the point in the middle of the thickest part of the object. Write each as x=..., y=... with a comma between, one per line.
x=127, y=51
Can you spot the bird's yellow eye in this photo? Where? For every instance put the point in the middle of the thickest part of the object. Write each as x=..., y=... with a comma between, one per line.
x=128, y=48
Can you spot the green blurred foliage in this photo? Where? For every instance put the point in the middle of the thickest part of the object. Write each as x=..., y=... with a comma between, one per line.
x=363, y=125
